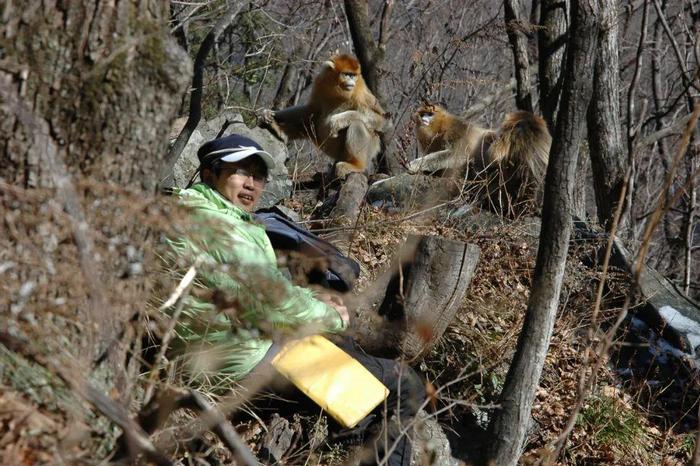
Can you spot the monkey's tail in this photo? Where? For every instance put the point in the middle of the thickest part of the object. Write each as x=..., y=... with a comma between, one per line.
x=522, y=144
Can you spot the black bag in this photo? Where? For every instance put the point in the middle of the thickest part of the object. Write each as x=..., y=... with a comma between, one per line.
x=339, y=273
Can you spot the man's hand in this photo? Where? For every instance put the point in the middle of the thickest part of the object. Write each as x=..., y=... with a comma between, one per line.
x=336, y=302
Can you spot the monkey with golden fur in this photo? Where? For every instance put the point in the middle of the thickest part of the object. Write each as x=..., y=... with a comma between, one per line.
x=342, y=117
x=512, y=159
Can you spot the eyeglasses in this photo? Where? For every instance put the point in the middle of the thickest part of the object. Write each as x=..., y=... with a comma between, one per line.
x=246, y=173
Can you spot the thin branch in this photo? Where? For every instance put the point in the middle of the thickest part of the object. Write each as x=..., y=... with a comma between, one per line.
x=195, y=114
x=635, y=81
x=690, y=229
x=674, y=43
x=137, y=439
x=384, y=23
x=670, y=129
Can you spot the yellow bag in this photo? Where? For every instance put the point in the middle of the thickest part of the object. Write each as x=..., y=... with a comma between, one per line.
x=331, y=378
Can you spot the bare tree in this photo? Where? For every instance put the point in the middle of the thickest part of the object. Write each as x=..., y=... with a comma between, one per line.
x=551, y=43
x=604, y=126
x=518, y=43
x=509, y=425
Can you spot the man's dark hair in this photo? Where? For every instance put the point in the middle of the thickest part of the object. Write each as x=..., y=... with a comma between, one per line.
x=216, y=167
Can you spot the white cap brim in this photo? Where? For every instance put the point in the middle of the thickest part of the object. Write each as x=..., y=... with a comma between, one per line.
x=243, y=153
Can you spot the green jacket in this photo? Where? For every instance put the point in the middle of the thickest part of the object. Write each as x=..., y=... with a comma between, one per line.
x=235, y=259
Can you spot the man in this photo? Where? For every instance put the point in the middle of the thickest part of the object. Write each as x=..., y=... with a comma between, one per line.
x=231, y=329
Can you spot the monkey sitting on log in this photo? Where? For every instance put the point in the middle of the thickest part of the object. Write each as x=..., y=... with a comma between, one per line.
x=342, y=117
x=510, y=161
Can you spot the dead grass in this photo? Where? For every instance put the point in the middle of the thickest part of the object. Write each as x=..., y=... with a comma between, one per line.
x=44, y=299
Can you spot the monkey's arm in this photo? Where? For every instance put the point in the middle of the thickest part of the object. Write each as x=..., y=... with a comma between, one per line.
x=372, y=120
x=289, y=123
x=435, y=161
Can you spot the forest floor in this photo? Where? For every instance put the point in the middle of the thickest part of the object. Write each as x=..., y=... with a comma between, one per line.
x=640, y=411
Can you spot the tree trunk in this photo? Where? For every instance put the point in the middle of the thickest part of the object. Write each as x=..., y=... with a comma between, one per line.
x=608, y=157
x=509, y=425
x=370, y=53
x=409, y=309
x=435, y=286
x=551, y=43
x=347, y=209
x=518, y=43
x=106, y=79
x=88, y=92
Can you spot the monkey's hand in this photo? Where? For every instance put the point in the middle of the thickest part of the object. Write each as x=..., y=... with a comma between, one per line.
x=266, y=119
x=387, y=124
x=341, y=121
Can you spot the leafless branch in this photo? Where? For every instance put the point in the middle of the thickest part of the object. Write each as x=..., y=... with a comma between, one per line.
x=195, y=114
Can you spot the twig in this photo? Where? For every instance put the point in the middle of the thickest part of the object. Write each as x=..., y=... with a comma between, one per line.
x=676, y=49
x=170, y=331
x=137, y=439
x=222, y=428
x=181, y=287
x=668, y=130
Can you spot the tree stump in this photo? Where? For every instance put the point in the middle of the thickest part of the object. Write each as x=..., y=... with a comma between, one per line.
x=420, y=300
x=437, y=282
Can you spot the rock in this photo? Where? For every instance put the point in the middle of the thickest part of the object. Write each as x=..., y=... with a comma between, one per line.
x=430, y=445
x=665, y=309
x=406, y=191
x=187, y=163
x=279, y=186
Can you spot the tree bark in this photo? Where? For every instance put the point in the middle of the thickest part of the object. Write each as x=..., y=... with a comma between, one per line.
x=347, y=209
x=106, y=79
x=509, y=425
x=551, y=43
x=94, y=102
x=518, y=43
x=608, y=157
x=437, y=282
x=405, y=312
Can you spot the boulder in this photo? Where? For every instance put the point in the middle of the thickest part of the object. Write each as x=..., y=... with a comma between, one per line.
x=279, y=186
x=187, y=163
x=407, y=191
x=665, y=308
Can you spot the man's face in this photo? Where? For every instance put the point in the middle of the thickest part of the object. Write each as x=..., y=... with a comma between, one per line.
x=242, y=182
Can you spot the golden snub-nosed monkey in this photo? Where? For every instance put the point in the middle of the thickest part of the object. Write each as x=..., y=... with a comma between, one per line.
x=342, y=116
x=513, y=158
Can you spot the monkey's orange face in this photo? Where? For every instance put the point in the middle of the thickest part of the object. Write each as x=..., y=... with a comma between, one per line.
x=346, y=69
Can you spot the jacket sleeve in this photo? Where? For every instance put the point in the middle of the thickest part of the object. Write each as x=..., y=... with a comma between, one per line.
x=232, y=264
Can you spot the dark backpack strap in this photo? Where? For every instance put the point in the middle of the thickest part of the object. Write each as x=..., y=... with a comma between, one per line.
x=290, y=236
